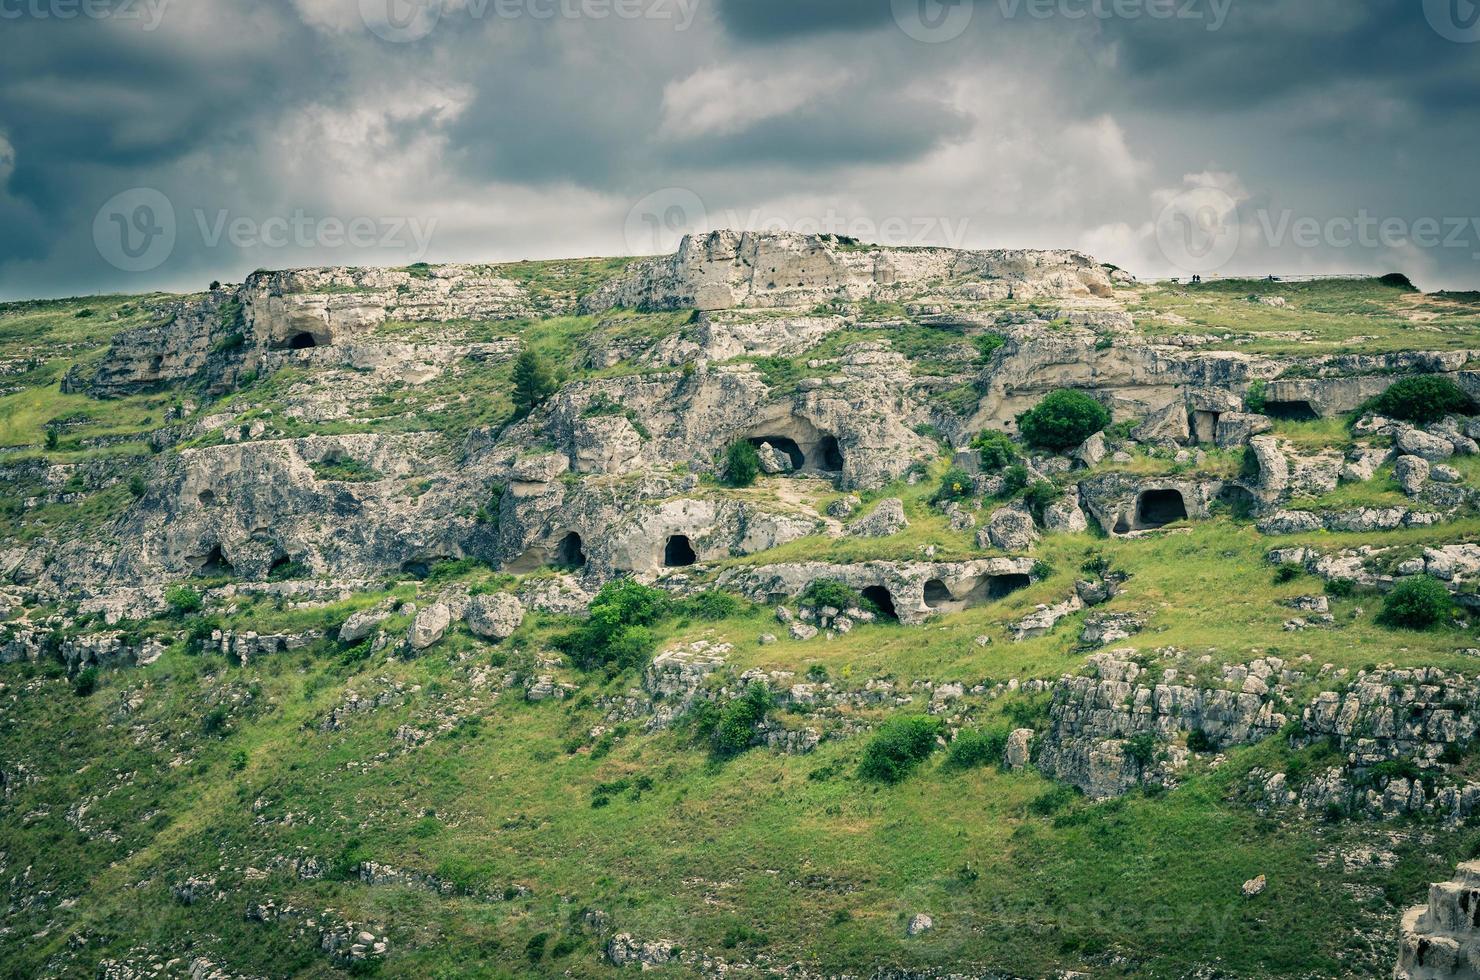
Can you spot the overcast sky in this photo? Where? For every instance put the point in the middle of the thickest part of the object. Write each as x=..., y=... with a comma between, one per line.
x=160, y=144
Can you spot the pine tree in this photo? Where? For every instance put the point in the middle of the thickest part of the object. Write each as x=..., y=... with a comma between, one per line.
x=533, y=382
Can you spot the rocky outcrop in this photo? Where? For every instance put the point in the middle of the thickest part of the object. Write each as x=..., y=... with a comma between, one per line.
x=1114, y=727
x=727, y=269
x=912, y=591
x=1441, y=940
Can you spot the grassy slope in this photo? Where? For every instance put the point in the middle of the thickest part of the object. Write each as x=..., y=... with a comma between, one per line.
x=791, y=858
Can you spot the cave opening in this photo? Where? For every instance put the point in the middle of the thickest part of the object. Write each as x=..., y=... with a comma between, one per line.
x=679, y=552
x=1002, y=586
x=571, y=552
x=936, y=594
x=1158, y=508
x=1291, y=411
x=830, y=457
x=882, y=600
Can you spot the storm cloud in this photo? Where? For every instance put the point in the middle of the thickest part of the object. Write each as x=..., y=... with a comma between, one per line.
x=534, y=128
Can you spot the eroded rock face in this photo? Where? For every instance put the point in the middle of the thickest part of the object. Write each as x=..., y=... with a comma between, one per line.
x=727, y=269
x=1441, y=940
x=912, y=591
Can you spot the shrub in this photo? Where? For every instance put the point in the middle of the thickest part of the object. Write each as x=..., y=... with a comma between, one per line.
x=712, y=605
x=742, y=464
x=830, y=592
x=973, y=748
x=136, y=486
x=1288, y=572
x=1199, y=741
x=1063, y=420
x=1255, y=400
x=618, y=631
x=1014, y=481
x=85, y=682
x=183, y=600
x=1141, y=748
x=1051, y=801
x=1341, y=588
x=1424, y=399
x=988, y=344
x=1418, y=603
x=534, y=950
x=955, y=485
x=899, y=745
x=997, y=450
x=1398, y=281
x=214, y=721
x=1039, y=496
x=735, y=725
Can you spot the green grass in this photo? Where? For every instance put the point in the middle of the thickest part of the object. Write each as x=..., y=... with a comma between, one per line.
x=1333, y=316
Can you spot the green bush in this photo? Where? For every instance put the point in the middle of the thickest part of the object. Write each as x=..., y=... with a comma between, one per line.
x=1199, y=741
x=742, y=464
x=1063, y=420
x=712, y=605
x=1288, y=572
x=735, y=724
x=1418, y=603
x=830, y=592
x=1341, y=588
x=183, y=600
x=957, y=484
x=618, y=633
x=1014, y=481
x=1255, y=401
x=898, y=746
x=973, y=748
x=1141, y=748
x=1039, y=496
x=1424, y=399
x=85, y=682
x=997, y=450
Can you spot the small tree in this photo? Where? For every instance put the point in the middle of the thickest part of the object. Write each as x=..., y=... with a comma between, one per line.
x=1063, y=420
x=1422, y=400
x=533, y=382
x=1418, y=603
x=996, y=449
x=742, y=464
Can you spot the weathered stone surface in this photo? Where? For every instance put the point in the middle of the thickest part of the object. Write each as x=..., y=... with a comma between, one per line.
x=1441, y=940
x=1412, y=473
x=885, y=520
x=1012, y=530
x=429, y=626
x=1416, y=442
x=494, y=617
